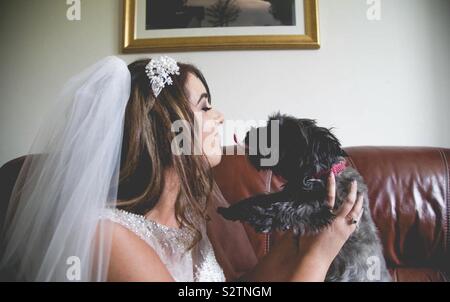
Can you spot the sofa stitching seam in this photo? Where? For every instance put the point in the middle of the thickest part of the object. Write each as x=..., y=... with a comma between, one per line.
x=268, y=189
x=447, y=181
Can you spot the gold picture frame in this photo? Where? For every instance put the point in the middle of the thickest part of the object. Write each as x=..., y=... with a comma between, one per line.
x=309, y=40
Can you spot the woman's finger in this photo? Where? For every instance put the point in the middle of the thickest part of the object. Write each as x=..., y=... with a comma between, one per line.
x=349, y=201
x=331, y=189
x=355, y=213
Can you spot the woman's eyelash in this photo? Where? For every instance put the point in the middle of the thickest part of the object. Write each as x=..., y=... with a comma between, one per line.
x=205, y=106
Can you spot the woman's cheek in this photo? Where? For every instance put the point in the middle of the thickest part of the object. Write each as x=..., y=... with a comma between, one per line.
x=211, y=143
x=212, y=147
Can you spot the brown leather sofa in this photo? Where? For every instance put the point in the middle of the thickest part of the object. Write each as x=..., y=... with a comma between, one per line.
x=409, y=190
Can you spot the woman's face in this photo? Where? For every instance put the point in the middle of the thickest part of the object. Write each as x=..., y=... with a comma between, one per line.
x=208, y=119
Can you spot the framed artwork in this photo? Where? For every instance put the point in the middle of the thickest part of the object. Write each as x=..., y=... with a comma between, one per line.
x=187, y=25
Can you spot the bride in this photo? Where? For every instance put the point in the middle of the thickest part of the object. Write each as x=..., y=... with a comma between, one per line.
x=107, y=193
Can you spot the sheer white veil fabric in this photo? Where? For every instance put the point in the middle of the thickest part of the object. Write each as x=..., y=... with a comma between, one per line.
x=52, y=231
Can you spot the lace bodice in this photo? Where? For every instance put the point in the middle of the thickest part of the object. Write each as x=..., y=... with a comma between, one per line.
x=197, y=264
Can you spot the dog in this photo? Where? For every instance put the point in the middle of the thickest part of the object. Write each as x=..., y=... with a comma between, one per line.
x=306, y=155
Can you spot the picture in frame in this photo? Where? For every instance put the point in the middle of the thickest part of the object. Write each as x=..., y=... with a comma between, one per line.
x=186, y=25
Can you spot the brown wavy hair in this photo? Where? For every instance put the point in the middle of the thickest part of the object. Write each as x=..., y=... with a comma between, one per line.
x=146, y=150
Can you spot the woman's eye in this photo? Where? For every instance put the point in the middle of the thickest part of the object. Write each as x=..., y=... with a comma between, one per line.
x=206, y=109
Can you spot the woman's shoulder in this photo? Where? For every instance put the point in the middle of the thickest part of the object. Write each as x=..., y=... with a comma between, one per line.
x=133, y=253
x=135, y=223
x=157, y=235
x=122, y=217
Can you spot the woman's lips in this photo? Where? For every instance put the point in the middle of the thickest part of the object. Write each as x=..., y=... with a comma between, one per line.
x=215, y=133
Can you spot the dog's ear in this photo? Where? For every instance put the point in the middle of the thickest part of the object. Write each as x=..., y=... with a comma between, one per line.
x=325, y=146
x=291, y=144
x=295, y=161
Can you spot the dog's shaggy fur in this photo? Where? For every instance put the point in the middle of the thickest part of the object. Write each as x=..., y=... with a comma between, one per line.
x=304, y=150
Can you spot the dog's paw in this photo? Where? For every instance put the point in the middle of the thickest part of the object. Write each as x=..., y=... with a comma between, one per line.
x=227, y=213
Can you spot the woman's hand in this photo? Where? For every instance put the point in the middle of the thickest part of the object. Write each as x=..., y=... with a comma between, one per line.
x=310, y=258
x=317, y=252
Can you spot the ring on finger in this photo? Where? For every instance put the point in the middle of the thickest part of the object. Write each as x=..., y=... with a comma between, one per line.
x=331, y=210
x=352, y=220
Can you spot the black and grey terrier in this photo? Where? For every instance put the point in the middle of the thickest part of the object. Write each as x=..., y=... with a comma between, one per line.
x=307, y=154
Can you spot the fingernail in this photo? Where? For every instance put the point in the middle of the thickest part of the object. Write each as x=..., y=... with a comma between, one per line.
x=360, y=214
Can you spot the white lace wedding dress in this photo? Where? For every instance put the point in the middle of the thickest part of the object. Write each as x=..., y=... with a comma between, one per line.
x=198, y=264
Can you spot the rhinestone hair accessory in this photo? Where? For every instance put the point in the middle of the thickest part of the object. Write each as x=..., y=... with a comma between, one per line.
x=159, y=71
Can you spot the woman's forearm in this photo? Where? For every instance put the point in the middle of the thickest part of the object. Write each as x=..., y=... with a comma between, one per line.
x=309, y=269
x=285, y=263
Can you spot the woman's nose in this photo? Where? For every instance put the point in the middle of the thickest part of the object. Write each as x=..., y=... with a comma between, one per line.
x=218, y=117
x=221, y=118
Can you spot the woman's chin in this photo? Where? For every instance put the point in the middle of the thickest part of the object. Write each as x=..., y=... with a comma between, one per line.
x=215, y=158
x=213, y=152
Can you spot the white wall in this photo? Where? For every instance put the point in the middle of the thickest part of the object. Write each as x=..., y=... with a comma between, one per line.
x=378, y=82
